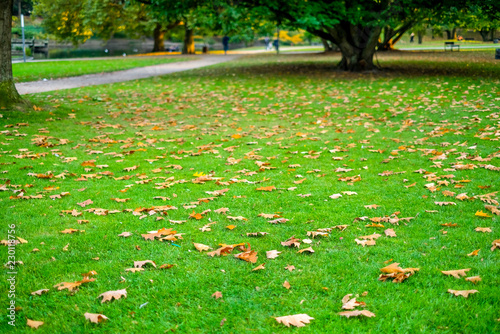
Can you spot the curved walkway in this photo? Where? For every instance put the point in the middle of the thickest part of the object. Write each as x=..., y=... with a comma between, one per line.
x=119, y=76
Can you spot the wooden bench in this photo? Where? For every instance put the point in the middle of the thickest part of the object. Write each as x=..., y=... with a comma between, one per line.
x=451, y=46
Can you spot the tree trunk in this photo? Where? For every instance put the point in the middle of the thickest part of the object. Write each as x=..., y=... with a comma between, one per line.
x=326, y=45
x=420, y=36
x=8, y=92
x=484, y=34
x=357, y=44
x=188, y=47
x=159, y=37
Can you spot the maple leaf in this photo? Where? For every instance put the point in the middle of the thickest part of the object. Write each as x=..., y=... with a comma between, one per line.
x=278, y=221
x=230, y=227
x=196, y=216
x=463, y=293
x=39, y=292
x=372, y=206
x=110, y=295
x=349, y=303
x=33, y=323
x=249, y=256
x=95, y=318
x=390, y=232
x=297, y=320
x=374, y=225
x=224, y=250
x=335, y=196
x=269, y=188
x=291, y=242
x=309, y=250
x=71, y=286
x=217, y=295
x=290, y=268
x=286, y=285
x=356, y=313
x=85, y=203
x=482, y=214
x=256, y=234
x=201, y=247
x=125, y=234
x=272, y=254
x=456, y=273
x=236, y=218
x=222, y=210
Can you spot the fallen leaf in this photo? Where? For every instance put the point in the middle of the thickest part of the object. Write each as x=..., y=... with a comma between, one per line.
x=201, y=247
x=483, y=229
x=286, y=285
x=33, y=323
x=473, y=279
x=309, y=250
x=463, y=293
x=456, y=273
x=390, y=232
x=269, y=188
x=125, y=234
x=297, y=320
x=474, y=253
x=39, y=292
x=259, y=267
x=217, y=295
x=95, y=318
x=290, y=268
x=110, y=295
x=356, y=313
x=272, y=254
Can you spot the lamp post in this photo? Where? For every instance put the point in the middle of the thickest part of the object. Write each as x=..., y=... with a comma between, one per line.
x=22, y=29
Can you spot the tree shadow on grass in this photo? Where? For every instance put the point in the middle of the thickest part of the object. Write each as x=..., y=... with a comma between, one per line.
x=477, y=65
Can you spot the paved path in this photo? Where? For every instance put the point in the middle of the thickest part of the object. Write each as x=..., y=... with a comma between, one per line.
x=119, y=76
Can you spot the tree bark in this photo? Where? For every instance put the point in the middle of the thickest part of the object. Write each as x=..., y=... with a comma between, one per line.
x=420, y=36
x=8, y=92
x=326, y=45
x=188, y=47
x=484, y=34
x=159, y=37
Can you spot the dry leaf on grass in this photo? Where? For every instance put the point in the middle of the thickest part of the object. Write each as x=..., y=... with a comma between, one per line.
x=201, y=247
x=110, y=295
x=272, y=254
x=125, y=234
x=349, y=303
x=33, y=323
x=495, y=245
x=463, y=293
x=456, y=273
x=286, y=285
x=290, y=268
x=139, y=264
x=39, y=292
x=217, y=295
x=249, y=256
x=134, y=270
x=473, y=279
x=297, y=320
x=71, y=286
x=308, y=250
x=474, y=253
x=356, y=313
x=390, y=232
x=483, y=229
x=259, y=267
x=95, y=318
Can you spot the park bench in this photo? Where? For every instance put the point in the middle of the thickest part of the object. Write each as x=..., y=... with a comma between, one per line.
x=36, y=46
x=451, y=45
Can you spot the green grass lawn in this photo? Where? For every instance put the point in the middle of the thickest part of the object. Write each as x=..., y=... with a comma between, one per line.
x=33, y=71
x=207, y=139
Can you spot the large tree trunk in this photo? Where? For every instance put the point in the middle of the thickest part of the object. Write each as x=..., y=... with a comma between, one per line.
x=420, y=36
x=484, y=34
x=358, y=45
x=188, y=47
x=8, y=92
x=159, y=37
x=392, y=36
x=451, y=34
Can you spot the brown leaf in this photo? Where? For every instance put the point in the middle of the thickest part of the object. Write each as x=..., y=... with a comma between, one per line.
x=390, y=232
x=372, y=206
x=40, y=292
x=456, y=273
x=201, y=247
x=349, y=303
x=110, y=295
x=290, y=268
x=309, y=250
x=272, y=254
x=249, y=256
x=33, y=323
x=139, y=264
x=483, y=229
x=85, y=203
x=463, y=293
x=297, y=320
x=474, y=253
x=125, y=234
x=231, y=227
x=259, y=267
x=71, y=286
x=217, y=295
x=269, y=188
x=365, y=242
x=95, y=318
x=268, y=215
x=356, y=313
x=286, y=285
x=473, y=279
